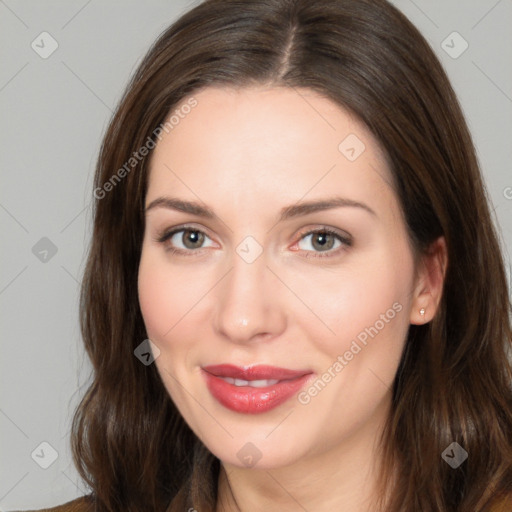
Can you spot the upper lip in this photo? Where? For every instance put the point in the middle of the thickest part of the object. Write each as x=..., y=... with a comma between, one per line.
x=257, y=372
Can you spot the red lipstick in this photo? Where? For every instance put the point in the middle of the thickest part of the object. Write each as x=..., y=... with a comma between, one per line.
x=255, y=389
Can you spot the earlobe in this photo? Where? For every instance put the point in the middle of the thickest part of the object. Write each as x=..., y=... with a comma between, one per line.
x=430, y=281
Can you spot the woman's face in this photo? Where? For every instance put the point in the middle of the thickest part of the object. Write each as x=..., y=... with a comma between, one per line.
x=238, y=271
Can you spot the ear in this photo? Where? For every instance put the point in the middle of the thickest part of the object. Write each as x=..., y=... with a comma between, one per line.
x=429, y=282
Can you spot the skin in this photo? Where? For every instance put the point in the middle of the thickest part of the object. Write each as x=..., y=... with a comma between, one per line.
x=247, y=154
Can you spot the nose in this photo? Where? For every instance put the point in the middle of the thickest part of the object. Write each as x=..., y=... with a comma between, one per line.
x=249, y=303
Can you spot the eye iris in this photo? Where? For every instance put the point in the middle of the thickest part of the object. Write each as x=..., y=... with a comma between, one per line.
x=192, y=239
x=323, y=241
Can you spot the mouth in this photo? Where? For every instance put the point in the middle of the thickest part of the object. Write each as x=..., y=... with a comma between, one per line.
x=255, y=389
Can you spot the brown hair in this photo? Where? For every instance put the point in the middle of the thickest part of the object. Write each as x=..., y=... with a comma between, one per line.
x=129, y=442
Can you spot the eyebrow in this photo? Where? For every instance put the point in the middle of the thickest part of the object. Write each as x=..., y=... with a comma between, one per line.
x=288, y=212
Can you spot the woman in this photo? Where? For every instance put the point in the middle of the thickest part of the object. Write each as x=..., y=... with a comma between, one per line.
x=289, y=206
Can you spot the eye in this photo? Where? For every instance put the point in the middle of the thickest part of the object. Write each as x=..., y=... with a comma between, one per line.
x=323, y=240
x=187, y=240
x=184, y=239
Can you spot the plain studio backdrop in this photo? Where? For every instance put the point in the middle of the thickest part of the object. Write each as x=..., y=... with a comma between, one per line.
x=64, y=65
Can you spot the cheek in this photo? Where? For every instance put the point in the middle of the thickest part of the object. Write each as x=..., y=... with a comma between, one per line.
x=156, y=301
x=166, y=298
x=167, y=294
x=368, y=300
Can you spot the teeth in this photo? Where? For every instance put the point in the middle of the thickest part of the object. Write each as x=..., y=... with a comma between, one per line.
x=250, y=383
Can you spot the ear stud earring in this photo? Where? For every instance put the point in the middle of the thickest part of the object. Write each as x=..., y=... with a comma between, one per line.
x=422, y=311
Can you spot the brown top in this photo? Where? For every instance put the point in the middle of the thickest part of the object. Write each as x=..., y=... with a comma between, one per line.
x=84, y=504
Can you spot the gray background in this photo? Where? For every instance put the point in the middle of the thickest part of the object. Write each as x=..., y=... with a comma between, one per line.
x=53, y=114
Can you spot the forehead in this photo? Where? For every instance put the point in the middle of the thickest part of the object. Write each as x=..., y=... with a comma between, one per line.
x=266, y=143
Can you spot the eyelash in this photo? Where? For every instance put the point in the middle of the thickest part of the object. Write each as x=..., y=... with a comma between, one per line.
x=345, y=240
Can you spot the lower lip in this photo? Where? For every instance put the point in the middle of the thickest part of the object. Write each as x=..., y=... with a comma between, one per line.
x=248, y=400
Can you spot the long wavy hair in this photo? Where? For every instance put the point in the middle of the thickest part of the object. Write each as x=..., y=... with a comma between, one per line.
x=454, y=382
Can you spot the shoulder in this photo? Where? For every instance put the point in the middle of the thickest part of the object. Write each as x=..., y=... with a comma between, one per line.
x=83, y=504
